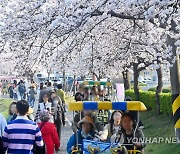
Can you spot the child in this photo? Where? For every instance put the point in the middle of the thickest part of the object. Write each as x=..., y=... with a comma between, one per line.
x=131, y=138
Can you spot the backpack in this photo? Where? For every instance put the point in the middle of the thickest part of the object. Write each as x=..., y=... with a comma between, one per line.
x=38, y=150
x=22, y=88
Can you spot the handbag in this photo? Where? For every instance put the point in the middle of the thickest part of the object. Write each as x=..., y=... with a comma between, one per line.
x=37, y=149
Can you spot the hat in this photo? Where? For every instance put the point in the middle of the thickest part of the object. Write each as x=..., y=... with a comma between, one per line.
x=44, y=115
x=88, y=120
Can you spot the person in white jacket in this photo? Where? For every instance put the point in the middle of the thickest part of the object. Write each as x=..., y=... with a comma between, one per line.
x=45, y=105
x=2, y=124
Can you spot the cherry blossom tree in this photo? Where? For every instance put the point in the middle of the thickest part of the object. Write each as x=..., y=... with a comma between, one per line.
x=124, y=33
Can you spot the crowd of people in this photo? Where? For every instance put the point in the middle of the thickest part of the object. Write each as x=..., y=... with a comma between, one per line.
x=24, y=132
x=18, y=90
x=92, y=94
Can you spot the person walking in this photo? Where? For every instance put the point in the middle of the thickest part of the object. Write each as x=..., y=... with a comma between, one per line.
x=21, y=89
x=15, y=90
x=4, y=87
x=10, y=90
x=43, y=91
x=61, y=94
x=59, y=115
x=21, y=134
x=2, y=127
x=32, y=95
x=49, y=87
x=45, y=105
x=49, y=133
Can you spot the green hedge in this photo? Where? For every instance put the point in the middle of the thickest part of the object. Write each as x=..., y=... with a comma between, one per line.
x=166, y=103
x=164, y=90
x=148, y=98
x=152, y=89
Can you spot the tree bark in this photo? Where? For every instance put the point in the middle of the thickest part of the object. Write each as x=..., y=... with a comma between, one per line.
x=175, y=83
x=48, y=75
x=74, y=85
x=64, y=80
x=126, y=79
x=136, y=83
x=158, y=90
x=97, y=77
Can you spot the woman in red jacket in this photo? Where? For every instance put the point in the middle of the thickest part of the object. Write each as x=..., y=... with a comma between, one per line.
x=49, y=133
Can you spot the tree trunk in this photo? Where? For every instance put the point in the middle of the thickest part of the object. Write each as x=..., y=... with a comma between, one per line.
x=175, y=84
x=158, y=90
x=64, y=80
x=126, y=79
x=136, y=83
x=74, y=85
x=96, y=76
x=83, y=77
x=49, y=75
x=31, y=76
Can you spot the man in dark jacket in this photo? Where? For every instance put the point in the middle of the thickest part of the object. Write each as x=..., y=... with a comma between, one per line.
x=22, y=89
x=89, y=113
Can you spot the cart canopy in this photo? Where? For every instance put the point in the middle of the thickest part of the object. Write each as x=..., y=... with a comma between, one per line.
x=106, y=105
x=97, y=83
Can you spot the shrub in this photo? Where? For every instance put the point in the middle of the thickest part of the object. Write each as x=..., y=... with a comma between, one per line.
x=142, y=84
x=166, y=103
x=131, y=94
x=148, y=98
x=152, y=89
x=166, y=90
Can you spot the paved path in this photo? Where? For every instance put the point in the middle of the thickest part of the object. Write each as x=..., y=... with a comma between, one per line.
x=66, y=133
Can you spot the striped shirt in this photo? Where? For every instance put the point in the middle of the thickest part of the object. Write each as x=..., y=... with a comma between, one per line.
x=20, y=135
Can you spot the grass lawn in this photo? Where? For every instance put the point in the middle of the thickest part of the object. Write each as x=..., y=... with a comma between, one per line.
x=4, y=106
x=159, y=126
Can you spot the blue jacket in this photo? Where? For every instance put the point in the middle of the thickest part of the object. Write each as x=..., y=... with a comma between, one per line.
x=72, y=141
